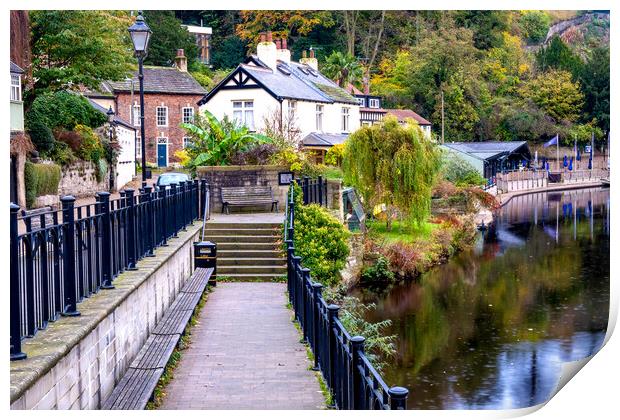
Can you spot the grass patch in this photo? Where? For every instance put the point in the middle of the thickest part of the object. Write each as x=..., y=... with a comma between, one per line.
x=402, y=231
x=175, y=358
x=332, y=173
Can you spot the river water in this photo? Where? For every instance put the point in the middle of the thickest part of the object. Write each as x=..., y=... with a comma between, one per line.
x=490, y=328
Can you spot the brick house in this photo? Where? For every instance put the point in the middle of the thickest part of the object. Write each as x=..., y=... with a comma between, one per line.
x=170, y=98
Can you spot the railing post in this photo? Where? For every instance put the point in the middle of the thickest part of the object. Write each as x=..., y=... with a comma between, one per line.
x=203, y=196
x=174, y=220
x=357, y=347
x=164, y=214
x=305, y=279
x=296, y=285
x=398, y=398
x=131, y=230
x=183, y=196
x=289, y=263
x=69, y=304
x=103, y=199
x=15, y=304
x=332, y=314
x=196, y=198
x=320, y=197
x=305, y=189
x=316, y=290
x=150, y=221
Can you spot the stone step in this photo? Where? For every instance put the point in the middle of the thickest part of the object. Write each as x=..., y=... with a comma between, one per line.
x=250, y=277
x=251, y=269
x=216, y=225
x=210, y=231
x=243, y=239
x=249, y=253
x=223, y=261
x=245, y=246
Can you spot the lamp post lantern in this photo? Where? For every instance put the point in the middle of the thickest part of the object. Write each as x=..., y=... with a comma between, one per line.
x=140, y=35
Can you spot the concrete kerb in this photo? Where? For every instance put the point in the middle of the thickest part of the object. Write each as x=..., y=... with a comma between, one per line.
x=49, y=346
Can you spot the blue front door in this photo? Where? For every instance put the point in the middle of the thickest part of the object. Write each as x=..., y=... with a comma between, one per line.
x=162, y=155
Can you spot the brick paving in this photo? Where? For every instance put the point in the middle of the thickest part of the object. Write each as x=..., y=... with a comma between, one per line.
x=244, y=354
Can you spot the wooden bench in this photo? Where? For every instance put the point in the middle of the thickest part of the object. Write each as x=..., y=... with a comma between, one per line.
x=136, y=387
x=247, y=196
x=33, y=219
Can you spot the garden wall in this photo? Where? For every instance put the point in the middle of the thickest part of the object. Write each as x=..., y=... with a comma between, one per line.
x=78, y=179
x=76, y=361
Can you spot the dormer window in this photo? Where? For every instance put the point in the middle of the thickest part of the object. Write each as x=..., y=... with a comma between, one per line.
x=16, y=88
x=373, y=103
x=360, y=101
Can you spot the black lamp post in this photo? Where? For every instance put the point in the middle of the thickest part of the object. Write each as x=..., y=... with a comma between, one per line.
x=140, y=34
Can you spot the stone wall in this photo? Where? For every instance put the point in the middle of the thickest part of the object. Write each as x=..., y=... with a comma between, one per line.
x=76, y=361
x=80, y=179
x=247, y=175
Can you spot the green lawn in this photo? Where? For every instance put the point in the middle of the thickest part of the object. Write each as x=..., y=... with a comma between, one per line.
x=401, y=231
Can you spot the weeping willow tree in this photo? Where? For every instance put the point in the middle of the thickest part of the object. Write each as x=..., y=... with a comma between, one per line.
x=393, y=165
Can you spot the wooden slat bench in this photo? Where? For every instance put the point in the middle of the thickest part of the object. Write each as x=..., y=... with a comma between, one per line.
x=135, y=389
x=247, y=196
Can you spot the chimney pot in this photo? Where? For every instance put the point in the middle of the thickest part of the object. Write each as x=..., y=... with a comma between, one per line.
x=269, y=37
x=180, y=52
x=303, y=54
x=180, y=60
x=311, y=53
x=278, y=44
x=284, y=46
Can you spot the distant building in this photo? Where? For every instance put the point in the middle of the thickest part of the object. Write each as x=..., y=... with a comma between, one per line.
x=372, y=111
x=125, y=134
x=294, y=95
x=17, y=104
x=203, y=40
x=170, y=97
x=491, y=157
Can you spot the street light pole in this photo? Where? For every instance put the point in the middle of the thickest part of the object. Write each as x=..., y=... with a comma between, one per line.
x=140, y=35
x=142, y=130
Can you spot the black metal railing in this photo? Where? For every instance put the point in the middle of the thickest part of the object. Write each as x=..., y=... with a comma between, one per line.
x=350, y=376
x=314, y=190
x=61, y=257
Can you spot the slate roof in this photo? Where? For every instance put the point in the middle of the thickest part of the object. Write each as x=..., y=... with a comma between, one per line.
x=104, y=111
x=485, y=150
x=324, y=139
x=402, y=114
x=16, y=69
x=158, y=80
x=289, y=81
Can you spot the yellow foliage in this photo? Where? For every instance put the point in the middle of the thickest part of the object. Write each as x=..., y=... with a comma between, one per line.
x=182, y=156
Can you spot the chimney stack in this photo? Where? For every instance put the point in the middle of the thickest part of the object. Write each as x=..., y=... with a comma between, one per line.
x=284, y=46
x=278, y=44
x=180, y=60
x=283, y=54
x=266, y=50
x=311, y=61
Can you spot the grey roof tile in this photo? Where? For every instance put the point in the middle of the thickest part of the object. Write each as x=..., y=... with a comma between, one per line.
x=160, y=80
x=16, y=69
x=324, y=139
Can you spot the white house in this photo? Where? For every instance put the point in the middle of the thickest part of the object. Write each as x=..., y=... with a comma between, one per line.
x=270, y=86
x=126, y=136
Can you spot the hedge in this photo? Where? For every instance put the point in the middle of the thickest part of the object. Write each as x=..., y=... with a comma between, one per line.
x=40, y=179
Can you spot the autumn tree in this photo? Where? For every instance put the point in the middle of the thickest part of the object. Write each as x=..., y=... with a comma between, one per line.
x=556, y=94
x=393, y=165
x=78, y=47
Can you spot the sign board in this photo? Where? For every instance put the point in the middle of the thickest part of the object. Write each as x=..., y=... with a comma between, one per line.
x=285, y=178
x=588, y=148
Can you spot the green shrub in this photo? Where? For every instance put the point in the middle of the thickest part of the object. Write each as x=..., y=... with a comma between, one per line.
x=320, y=240
x=378, y=273
x=334, y=155
x=41, y=137
x=90, y=148
x=61, y=153
x=40, y=179
x=63, y=110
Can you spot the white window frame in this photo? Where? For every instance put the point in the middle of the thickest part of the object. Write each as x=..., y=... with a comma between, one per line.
x=319, y=117
x=157, y=116
x=373, y=103
x=292, y=110
x=16, y=88
x=138, y=146
x=361, y=101
x=241, y=113
x=189, y=120
x=135, y=108
x=345, y=119
x=186, y=141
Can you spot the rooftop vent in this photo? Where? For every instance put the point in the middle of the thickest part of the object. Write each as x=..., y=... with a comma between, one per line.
x=282, y=69
x=303, y=70
x=312, y=72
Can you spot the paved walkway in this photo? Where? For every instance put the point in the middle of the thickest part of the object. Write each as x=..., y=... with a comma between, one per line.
x=244, y=354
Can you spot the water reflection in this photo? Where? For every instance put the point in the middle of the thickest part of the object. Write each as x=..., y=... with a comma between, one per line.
x=491, y=328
